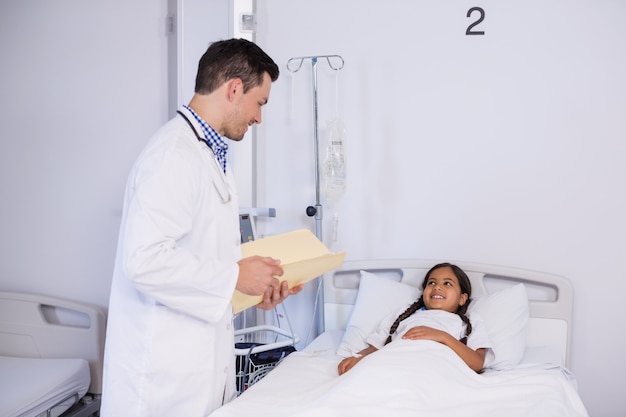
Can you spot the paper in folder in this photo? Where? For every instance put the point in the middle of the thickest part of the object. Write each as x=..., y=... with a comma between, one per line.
x=302, y=257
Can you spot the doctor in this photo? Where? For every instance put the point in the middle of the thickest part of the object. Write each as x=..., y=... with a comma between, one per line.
x=170, y=344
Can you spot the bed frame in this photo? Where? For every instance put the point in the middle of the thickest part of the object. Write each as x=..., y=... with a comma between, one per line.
x=39, y=326
x=550, y=296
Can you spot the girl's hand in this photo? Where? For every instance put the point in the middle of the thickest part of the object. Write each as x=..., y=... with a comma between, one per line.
x=347, y=364
x=473, y=358
x=425, y=333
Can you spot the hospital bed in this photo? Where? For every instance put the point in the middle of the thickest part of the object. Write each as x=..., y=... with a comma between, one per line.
x=528, y=316
x=51, y=354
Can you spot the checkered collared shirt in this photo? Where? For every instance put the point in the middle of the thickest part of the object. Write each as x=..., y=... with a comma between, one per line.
x=215, y=141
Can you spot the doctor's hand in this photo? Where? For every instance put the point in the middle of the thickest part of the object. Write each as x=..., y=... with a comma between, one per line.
x=276, y=295
x=257, y=275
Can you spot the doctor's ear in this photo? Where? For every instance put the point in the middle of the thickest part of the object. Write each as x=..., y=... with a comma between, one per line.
x=235, y=86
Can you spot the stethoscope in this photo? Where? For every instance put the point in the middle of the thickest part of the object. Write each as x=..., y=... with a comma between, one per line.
x=224, y=191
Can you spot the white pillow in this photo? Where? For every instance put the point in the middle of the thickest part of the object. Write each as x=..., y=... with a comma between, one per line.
x=377, y=297
x=505, y=314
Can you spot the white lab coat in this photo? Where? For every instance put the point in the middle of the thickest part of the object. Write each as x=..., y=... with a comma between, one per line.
x=169, y=347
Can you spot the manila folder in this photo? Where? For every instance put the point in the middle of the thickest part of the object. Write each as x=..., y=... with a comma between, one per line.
x=302, y=257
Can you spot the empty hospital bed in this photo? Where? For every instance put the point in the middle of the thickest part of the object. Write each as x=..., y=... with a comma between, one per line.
x=528, y=316
x=51, y=354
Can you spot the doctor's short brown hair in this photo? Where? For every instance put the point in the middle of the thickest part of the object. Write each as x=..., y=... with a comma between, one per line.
x=233, y=58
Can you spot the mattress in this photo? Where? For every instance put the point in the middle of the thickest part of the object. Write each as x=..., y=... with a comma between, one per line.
x=31, y=386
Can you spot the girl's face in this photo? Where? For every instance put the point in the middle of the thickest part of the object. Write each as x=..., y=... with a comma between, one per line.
x=443, y=292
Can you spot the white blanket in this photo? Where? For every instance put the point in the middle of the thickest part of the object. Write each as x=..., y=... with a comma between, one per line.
x=406, y=378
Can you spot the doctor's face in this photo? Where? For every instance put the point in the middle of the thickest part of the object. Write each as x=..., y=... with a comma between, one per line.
x=247, y=109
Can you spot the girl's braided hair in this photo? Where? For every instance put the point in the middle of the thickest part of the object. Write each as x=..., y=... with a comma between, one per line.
x=466, y=288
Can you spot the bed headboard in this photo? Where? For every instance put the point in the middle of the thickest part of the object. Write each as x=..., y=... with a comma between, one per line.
x=41, y=326
x=550, y=296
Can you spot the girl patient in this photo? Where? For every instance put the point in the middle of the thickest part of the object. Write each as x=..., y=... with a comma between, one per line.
x=439, y=315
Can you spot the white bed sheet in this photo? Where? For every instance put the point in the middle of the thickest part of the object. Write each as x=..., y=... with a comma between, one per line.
x=30, y=386
x=407, y=378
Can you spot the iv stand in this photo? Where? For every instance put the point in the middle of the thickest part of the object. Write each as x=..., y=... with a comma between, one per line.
x=317, y=209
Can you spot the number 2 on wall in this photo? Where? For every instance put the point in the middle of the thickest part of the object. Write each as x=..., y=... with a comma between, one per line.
x=470, y=29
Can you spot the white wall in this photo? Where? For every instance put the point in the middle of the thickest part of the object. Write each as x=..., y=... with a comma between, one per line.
x=506, y=148
x=453, y=152
x=84, y=85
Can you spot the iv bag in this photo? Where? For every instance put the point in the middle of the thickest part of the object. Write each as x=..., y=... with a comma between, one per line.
x=334, y=166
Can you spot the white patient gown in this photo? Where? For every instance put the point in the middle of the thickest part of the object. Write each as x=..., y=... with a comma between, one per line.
x=437, y=319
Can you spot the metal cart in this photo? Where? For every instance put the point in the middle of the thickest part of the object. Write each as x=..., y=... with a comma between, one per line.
x=258, y=350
